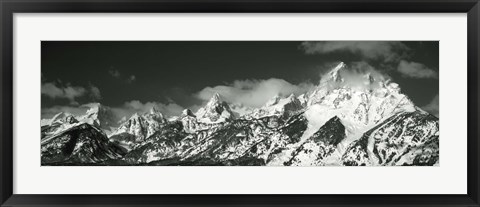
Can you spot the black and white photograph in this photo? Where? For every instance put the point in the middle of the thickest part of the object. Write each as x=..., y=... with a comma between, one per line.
x=240, y=103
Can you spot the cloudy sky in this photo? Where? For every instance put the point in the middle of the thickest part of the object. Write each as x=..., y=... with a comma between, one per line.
x=135, y=76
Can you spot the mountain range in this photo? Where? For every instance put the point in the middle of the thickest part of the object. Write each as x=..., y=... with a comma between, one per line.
x=365, y=121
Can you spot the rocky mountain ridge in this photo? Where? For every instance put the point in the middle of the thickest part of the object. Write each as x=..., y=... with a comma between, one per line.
x=366, y=121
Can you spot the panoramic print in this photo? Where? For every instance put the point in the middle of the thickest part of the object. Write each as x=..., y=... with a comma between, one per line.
x=240, y=103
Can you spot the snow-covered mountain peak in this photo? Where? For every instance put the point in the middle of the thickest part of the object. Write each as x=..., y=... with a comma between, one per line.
x=214, y=102
x=362, y=98
x=100, y=116
x=154, y=110
x=215, y=99
x=97, y=114
x=355, y=80
x=95, y=108
x=139, y=126
x=155, y=114
x=394, y=87
x=215, y=111
x=334, y=75
x=356, y=76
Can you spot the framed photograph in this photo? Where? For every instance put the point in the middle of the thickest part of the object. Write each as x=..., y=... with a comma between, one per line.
x=239, y=103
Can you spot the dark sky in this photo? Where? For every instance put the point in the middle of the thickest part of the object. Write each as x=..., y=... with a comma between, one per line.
x=165, y=71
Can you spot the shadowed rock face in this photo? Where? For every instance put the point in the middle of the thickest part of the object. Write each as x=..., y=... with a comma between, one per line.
x=403, y=139
x=138, y=127
x=79, y=144
x=320, y=145
x=240, y=142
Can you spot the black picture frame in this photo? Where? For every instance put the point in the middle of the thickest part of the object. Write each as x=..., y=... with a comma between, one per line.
x=9, y=7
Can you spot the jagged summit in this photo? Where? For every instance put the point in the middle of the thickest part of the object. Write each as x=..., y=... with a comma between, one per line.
x=154, y=113
x=215, y=111
x=356, y=75
x=335, y=74
x=360, y=97
x=139, y=127
x=95, y=108
x=100, y=116
x=154, y=110
x=215, y=99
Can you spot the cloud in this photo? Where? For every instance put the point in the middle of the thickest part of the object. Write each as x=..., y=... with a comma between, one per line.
x=75, y=110
x=391, y=54
x=131, y=79
x=52, y=91
x=95, y=92
x=387, y=51
x=253, y=93
x=125, y=110
x=68, y=91
x=114, y=73
x=135, y=106
x=416, y=70
x=433, y=106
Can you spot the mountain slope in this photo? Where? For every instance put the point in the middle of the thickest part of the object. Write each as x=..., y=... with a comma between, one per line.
x=81, y=144
x=138, y=128
x=100, y=116
x=403, y=139
x=320, y=145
